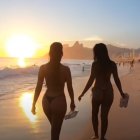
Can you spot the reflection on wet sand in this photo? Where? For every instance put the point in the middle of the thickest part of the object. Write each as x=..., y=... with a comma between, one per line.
x=26, y=104
x=34, y=121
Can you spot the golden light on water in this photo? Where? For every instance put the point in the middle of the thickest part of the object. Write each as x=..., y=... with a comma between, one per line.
x=21, y=62
x=26, y=104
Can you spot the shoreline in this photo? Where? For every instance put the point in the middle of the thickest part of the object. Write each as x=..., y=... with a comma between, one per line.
x=80, y=74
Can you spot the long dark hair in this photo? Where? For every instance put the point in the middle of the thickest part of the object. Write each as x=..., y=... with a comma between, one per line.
x=101, y=53
x=56, y=53
x=101, y=56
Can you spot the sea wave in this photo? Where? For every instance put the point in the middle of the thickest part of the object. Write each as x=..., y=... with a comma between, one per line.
x=6, y=72
x=9, y=72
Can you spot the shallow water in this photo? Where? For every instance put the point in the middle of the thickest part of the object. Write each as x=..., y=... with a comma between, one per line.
x=14, y=79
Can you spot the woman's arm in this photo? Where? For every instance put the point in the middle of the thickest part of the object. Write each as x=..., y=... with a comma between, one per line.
x=89, y=83
x=70, y=88
x=38, y=88
x=117, y=80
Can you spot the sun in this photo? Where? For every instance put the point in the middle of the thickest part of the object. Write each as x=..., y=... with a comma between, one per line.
x=21, y=46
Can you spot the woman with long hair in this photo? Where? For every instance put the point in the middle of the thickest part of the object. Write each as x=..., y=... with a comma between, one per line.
x=102, y=92
x=54, y=102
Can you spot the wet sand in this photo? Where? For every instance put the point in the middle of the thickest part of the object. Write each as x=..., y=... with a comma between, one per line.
x=17, y=122
x=124, y=123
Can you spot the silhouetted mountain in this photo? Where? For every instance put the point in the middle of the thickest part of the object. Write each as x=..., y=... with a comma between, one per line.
x=78, y=51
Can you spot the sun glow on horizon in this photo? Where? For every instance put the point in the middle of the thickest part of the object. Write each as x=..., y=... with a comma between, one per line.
x=26, y=104
x=21, y=46
x=21, y=62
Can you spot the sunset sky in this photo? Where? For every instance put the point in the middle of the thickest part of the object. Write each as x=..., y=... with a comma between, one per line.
x=45, y=21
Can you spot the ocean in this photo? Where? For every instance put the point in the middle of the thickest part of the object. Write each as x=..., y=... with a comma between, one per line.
x=15, y=80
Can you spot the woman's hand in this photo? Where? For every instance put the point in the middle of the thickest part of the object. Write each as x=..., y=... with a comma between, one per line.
x=72, y=106
x=33, y=110
x=80, y=97
x=123, y=95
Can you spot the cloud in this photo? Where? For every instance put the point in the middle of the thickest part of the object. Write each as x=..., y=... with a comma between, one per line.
x=94, y=38
x=120, y=44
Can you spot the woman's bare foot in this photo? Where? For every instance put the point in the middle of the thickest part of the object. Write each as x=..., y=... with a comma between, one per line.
x=94, y=137
x=103, y=139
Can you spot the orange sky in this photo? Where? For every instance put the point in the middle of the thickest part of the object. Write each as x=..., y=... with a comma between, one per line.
x=39, y=51
x=47, y=21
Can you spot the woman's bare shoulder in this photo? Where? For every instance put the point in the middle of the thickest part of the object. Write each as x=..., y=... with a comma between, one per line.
x=113, y=63
x=65, y=69
x=94, y=64
x=43, y=67
x=113, y=66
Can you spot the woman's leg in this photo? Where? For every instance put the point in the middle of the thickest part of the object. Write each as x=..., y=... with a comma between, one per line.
x=47, y=108
x=95, y=110
x=58, y=108
x=105, y=107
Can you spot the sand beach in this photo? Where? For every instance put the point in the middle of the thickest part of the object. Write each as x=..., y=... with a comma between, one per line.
x=16, y=121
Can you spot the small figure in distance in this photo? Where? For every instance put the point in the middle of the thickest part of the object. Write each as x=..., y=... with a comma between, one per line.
x=102, y=92
x=54, y=102
x=131, y=64
x=83, y=67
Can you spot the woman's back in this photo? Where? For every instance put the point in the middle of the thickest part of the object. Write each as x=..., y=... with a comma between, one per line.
x=55, y=77
x=102, y=73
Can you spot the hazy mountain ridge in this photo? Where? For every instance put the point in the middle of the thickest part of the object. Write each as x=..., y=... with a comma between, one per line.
x=79, y=51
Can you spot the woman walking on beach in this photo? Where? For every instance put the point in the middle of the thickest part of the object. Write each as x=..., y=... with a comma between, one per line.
x=54, y=102
x=102, y=92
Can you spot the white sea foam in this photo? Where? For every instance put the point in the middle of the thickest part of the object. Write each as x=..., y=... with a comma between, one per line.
x=14, y=80
x=8, y=72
